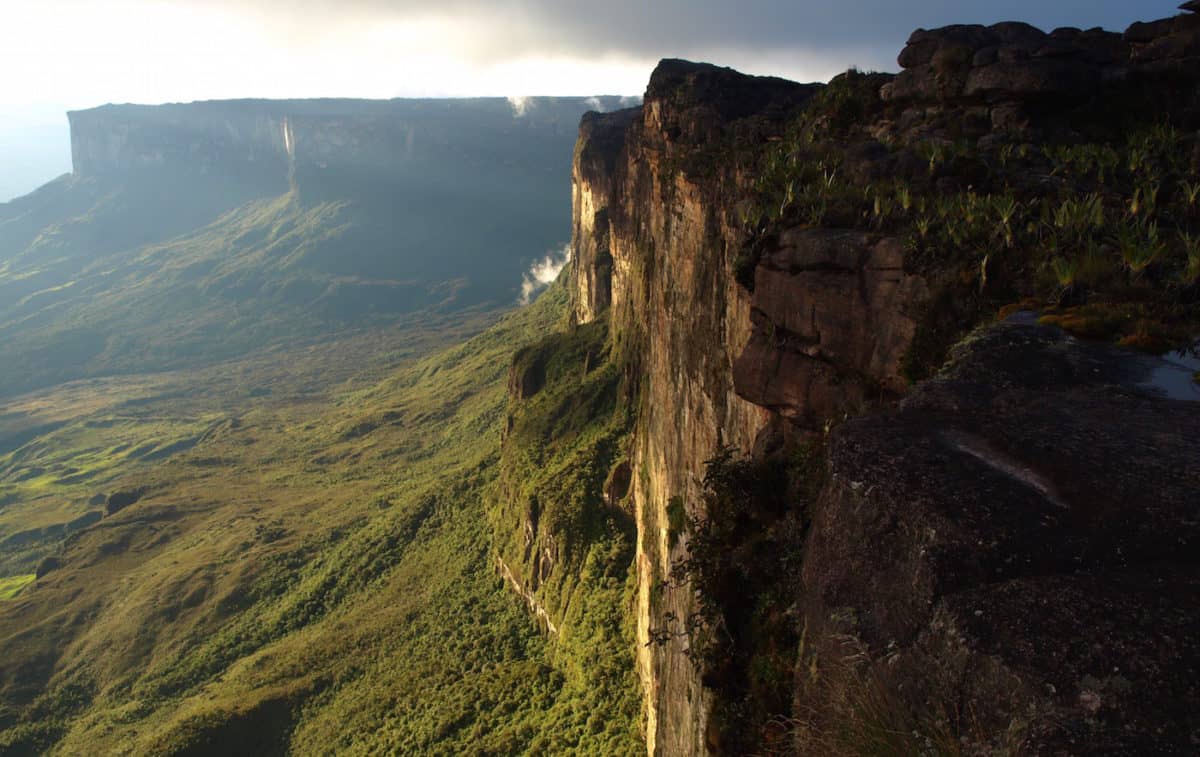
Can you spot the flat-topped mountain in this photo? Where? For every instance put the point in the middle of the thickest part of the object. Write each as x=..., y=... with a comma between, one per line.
x=266, y=137
x=192, y=232
x=863, y=422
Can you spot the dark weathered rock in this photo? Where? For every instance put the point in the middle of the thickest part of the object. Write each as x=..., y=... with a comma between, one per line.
x=695, y=103
x=924, y=44
x=1019, y=539
x=118, y=501
x=1067, y=74
x=526, y=375
x=1183, y=43
x=1032, y=78
x=1142, y=32
x=985, y=56
x=925, y=83
x=47, y=565
x=829, y=308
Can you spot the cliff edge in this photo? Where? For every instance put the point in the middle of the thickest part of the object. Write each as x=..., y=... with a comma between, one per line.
x=997, y=559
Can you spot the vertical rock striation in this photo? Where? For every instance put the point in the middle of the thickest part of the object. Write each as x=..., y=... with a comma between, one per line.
x=941, y=526
x=657, y=234
x=653, y=252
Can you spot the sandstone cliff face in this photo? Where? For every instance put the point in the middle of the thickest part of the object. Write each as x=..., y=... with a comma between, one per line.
x=268, y=138
x=200, y=138
x=647, y=266
x=656, y=238
x=943, y=528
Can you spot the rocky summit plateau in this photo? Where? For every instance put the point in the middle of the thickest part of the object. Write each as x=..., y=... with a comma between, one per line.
x=864, y=420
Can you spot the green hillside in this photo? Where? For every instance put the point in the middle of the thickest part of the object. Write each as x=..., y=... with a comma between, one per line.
x=174, y=244
x=313, y=574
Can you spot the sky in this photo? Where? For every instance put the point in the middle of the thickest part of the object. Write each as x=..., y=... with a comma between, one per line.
x=68, y=54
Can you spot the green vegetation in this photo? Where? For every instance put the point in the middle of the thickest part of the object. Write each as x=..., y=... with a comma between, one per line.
x=310, y=579
x=1108, y=221
x=10, y=587
x=742, y=562
x=569, y=422
x=177, y=296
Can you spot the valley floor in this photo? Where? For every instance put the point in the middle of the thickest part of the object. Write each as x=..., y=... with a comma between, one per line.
x=307, y=570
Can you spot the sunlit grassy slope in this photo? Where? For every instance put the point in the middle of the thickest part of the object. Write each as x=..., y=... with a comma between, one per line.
x=63, y=450
x=82, y=297
x=312, y=578
x=151, y=265
x=12, y=586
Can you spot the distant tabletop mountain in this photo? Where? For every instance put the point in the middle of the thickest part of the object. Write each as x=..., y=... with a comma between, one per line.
x=192, y=232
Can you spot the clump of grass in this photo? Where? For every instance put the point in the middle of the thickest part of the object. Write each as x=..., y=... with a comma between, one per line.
x=1191, y=248
x=11, y=586
x=1140, y=246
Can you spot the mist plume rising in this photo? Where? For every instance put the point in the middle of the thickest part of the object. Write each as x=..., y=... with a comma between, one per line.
x=543, y=273
x=519, y=104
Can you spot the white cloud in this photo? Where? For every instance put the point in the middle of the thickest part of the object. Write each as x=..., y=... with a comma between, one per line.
x=87, y=52
x=543, y=273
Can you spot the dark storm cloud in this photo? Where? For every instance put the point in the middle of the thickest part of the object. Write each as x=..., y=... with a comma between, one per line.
x=652, y=28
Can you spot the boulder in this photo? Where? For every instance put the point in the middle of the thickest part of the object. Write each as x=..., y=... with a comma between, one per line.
x=923, y=45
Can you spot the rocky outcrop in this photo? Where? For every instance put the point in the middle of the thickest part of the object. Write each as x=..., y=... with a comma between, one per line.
x=950, y=523
x=833, y=313
x=528, y=594
x=657, y=235
x=47, y=565
x=526, y=376
x=118, y=501
x=1010, y=74
x=996, y=547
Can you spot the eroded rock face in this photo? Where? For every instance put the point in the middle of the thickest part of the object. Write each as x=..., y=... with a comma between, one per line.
x=833, y=314
x=526, y=376
x=655, y=241
x=952, y=522
x=601, y=139
x=1018, y=538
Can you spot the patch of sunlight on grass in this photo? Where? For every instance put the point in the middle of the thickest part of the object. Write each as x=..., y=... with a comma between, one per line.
x=11, y=586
